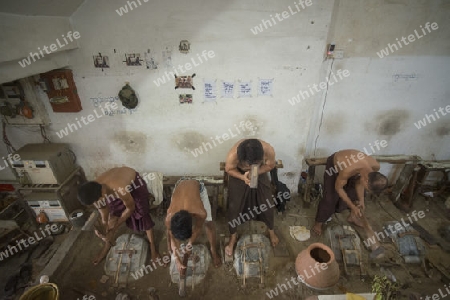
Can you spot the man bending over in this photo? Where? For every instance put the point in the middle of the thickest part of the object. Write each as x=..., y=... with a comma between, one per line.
x=347, y=174
x=189, y=203
x=131, y=206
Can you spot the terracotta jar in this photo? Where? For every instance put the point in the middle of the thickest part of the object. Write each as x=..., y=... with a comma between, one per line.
x=42, y=218
x=317, y=267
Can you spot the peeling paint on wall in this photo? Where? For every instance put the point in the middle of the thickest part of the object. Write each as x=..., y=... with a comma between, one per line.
x=257, y=126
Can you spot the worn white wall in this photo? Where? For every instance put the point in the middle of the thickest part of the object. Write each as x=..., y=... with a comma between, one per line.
x=20, y=35
x=383, y=97
x=160, y=133
x=372, y=103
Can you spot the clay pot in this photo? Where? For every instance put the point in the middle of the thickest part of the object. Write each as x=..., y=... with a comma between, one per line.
x=42, y=218
x=317, y=267
x=26, y=111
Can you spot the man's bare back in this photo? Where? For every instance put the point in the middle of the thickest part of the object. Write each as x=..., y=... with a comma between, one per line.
x=349, y=163
x=356, y=163
x=186, y=197
x=117, y=178
x=118, y=184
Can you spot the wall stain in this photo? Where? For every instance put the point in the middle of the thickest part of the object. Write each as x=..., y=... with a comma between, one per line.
x=289, y=174
x=443, y=130
x=189, y=140
x=301, y=151
x=388, y=122
x=130, y=141
x=334, y=123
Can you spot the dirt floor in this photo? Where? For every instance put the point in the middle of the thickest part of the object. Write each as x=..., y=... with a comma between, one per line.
x=76, y=276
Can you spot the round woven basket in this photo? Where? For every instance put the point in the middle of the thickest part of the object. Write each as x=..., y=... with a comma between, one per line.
x=45, y=291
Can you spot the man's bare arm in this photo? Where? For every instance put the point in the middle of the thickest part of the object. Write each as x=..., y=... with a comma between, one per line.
x=169, y=236
x=359, y=187
x=199, y=221
x=174, y=244
x=128, y=201
x=231, y=165
x=104, y=213
x=339, y=186
x=269, y=159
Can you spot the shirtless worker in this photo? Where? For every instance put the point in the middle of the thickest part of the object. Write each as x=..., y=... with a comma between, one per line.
x=121, y=196
x=189, y=203
x=347, y=174
x=243, y=200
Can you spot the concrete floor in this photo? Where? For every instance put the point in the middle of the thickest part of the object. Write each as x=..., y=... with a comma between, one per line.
x=76, y=276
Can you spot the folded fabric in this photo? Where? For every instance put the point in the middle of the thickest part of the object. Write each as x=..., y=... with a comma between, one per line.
x=299, y=233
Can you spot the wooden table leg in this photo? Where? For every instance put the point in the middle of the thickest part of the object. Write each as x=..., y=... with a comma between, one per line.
x=309, y=185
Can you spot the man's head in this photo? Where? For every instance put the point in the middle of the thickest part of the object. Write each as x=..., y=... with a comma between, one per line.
x=250, y=152
x=181, y=225
x=377, y=182
x=89, y=192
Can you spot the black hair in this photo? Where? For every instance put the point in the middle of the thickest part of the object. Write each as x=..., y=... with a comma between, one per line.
x=250, y=151
x=89, y=192
x=377, y=182
x=181, y=225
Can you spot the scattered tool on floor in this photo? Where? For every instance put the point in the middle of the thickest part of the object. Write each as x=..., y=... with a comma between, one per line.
x=119, y=266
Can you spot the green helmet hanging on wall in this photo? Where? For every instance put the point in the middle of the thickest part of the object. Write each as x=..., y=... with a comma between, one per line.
x=128, y=97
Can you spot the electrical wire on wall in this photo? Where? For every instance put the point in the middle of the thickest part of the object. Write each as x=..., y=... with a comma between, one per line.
x=73, y=156
x=9, y=147
x=323, y=107
x=44, y=134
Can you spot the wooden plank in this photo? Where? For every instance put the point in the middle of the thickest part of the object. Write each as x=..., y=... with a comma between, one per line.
x=316, y=161
x=278, y=165
x=397, y=159
x=402, y=182
x=393, y=159
x=436, y=165
x=309, y=185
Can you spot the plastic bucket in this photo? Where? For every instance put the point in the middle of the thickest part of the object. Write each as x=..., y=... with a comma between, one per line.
x=78, y=218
